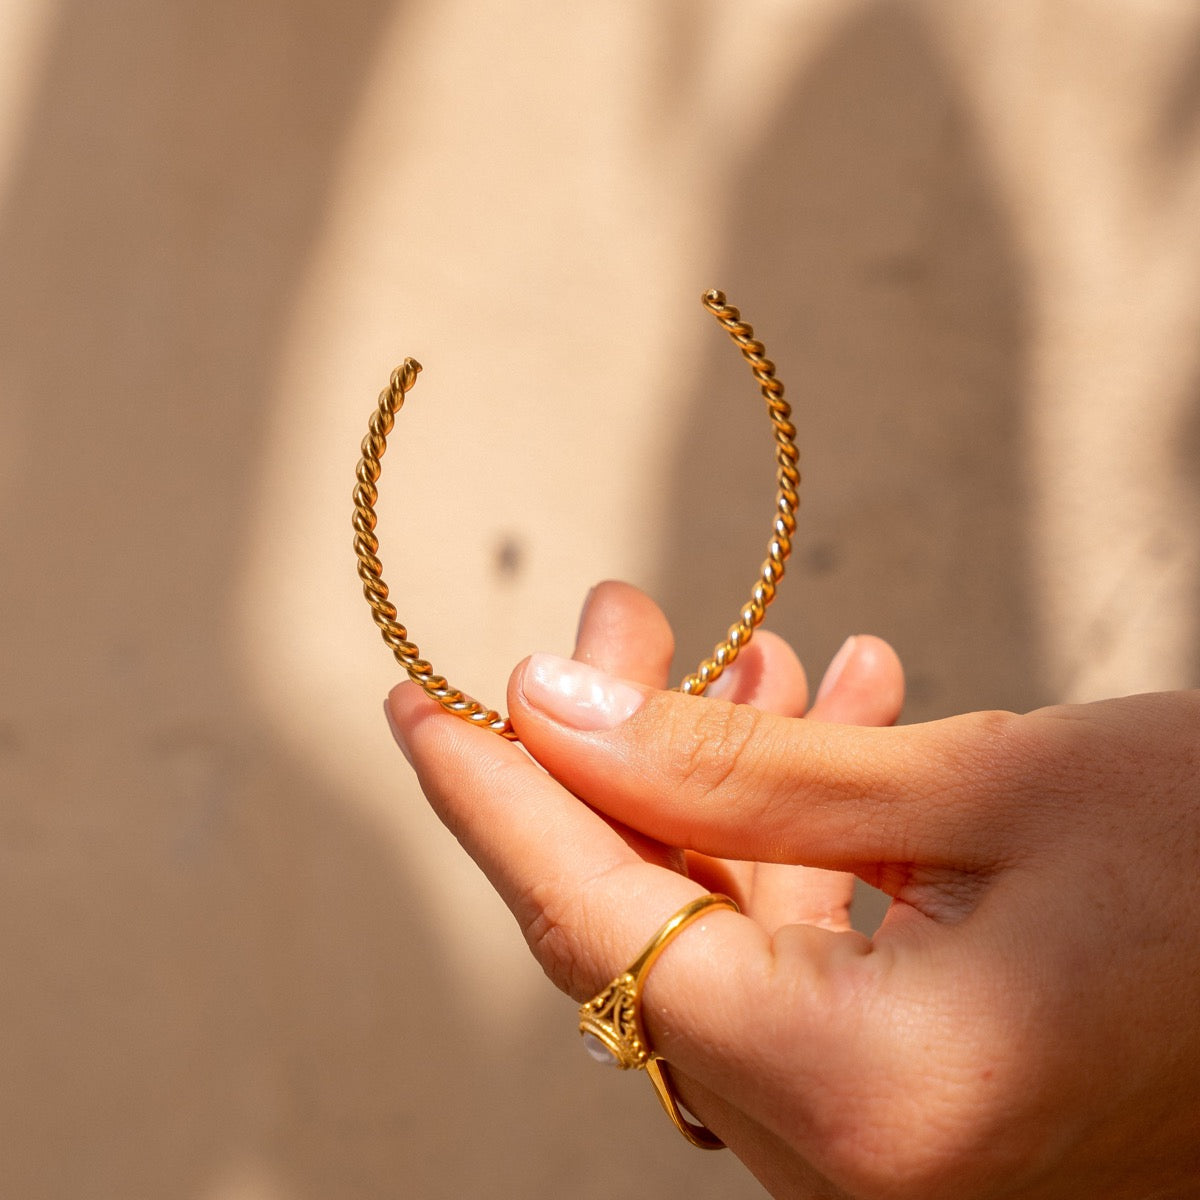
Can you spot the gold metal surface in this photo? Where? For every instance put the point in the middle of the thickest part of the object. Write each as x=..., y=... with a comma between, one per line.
x=406, y=651
x=613, y=1018
x=699, y=1135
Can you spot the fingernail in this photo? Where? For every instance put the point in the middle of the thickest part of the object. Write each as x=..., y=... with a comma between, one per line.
x=391, y=720
x=837, y=666
x=578, y=695
x=724, y=685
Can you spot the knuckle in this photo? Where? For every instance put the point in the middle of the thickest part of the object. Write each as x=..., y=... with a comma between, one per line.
x=550, y=927
x=993, y=760
x=717, y=744
x=565, y=932
x=996, y=745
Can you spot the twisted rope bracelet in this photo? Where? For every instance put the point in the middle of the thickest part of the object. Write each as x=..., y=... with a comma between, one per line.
x=783, y=526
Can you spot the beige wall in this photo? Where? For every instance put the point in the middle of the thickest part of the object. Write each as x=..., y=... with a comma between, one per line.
x=238, y=959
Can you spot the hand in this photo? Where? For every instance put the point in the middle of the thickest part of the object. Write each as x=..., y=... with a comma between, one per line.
x=1024, y=1023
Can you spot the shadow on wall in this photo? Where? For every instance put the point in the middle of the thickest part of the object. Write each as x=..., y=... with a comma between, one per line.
x=1170, y=155
x=1187, y=463
x=220, y=981
x=208, y=958
x=865, y=244
x=219, y=964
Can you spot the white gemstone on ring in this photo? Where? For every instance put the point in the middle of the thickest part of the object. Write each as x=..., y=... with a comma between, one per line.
x=599, y=1051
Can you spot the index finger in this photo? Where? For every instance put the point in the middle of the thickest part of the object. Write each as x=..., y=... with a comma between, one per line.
x=546, y=853
x=587, y=903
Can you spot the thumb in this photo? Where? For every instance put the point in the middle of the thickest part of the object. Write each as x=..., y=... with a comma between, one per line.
x=735, y=782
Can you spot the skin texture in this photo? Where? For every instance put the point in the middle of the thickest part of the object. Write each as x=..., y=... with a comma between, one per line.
x=1026, y=1021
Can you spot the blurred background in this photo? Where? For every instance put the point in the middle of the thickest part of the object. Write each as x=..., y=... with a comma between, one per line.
x=239, y=960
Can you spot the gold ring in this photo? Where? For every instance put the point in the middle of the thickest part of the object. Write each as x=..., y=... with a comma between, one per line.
x=611, y=1022
x=783, y=527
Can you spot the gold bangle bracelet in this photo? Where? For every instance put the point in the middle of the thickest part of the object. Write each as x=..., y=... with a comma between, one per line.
x=783, y=526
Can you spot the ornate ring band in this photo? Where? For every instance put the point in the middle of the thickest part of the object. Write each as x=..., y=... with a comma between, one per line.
x=611, y=1022
x=783, y=526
